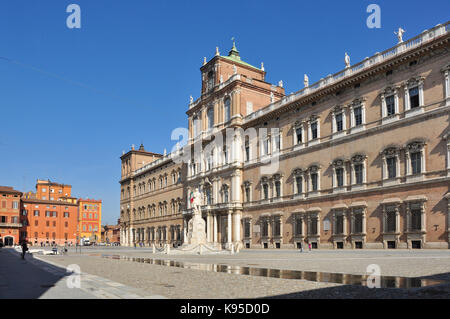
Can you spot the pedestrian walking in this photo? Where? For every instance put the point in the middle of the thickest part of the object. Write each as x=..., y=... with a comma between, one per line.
x=309, y=246
x=24, y=248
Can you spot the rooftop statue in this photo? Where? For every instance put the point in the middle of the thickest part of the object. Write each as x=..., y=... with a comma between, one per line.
x=399, y=34
x=347, y=60
x=306, y=81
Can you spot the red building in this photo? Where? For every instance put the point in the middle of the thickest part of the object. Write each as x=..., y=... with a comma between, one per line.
x=9, y=216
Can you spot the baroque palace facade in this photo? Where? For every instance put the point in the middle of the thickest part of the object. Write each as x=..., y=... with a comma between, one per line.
x=359, y=159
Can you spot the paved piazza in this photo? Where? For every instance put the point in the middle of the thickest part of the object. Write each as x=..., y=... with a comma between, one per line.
x=174, y=282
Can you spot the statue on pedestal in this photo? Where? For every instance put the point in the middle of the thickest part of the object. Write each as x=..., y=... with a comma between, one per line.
x=306, y=81
x=196, y=226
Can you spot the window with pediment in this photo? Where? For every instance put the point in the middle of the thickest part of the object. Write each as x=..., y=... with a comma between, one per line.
x=391, y=163
x=415, y=158
x=414, y=94
x=389, y=104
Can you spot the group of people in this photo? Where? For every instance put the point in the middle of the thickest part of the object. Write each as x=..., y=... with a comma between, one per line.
x=309, y=247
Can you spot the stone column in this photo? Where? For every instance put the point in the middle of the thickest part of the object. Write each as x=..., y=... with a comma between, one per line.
x=237, y=227
x=215, y=227
x=208, y=227
x=229, y=222
x=184, y=230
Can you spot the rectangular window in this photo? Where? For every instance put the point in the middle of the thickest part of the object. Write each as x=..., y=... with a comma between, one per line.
x=390, y=105
x=357, y=111
x=278, y=189
x=313, y=229
x=391, y=220
x=359, y=174
x=247, y=194
x=266, y=146
x=314, y=130
x=339, y=122
x=36, y=223
x=414, y=97
x=358, y=222
x=298, y=132
x=314, y=179
x=416, y=219
x=298, y=181
x=247, y=229
x=247, y=152
x=391, y=167
x=339, y=177
x=298, y=226
x=15, y=205
x=265, y=229
x=277, y=228
x=339, y=224
x=266, y=191
x=36, y=213
x=416, y=162
x=277, y=142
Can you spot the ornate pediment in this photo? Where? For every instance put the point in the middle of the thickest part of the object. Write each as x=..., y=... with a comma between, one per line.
x=390, y=151
x=415, y=81
x=415, y=146
x=314, y=168
x=338, y=162
x=358, y=158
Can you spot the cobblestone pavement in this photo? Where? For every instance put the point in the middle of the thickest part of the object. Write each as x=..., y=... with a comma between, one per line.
x=190, y=283
x=35, y=279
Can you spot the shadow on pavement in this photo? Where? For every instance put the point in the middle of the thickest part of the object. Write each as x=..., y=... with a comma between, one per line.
x=26, y=279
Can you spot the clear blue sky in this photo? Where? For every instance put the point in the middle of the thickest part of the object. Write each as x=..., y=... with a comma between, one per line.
x=74, y=99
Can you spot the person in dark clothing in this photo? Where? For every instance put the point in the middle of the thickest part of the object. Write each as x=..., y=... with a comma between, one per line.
x=24, y=249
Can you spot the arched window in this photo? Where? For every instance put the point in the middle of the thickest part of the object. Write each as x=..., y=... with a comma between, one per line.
x=210, y=80
x=227, y=106
x=210, y=117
